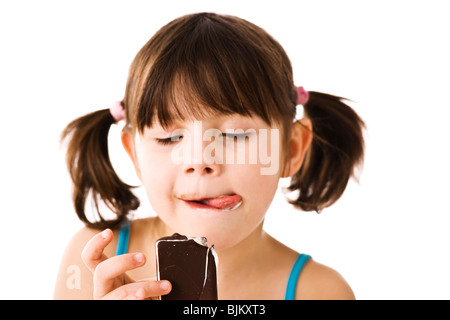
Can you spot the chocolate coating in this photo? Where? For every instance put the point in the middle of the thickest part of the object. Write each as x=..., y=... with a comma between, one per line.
x=189, y=265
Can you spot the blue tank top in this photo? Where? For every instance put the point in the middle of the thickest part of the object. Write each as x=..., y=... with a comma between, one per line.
x=122, y=247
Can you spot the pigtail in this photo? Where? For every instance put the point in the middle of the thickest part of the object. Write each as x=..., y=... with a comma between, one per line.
x=336, y=150
x=91, y=170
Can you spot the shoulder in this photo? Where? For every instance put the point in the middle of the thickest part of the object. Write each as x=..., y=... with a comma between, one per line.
x=145, y=231
x=315, y=282
x=319, y=282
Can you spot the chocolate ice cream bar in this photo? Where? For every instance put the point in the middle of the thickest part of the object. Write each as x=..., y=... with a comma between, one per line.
x=190, y=265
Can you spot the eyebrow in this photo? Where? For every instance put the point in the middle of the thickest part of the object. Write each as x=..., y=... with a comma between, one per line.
x=161, y=128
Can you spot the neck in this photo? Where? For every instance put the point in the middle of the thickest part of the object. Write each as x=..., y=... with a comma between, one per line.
x=237, y=264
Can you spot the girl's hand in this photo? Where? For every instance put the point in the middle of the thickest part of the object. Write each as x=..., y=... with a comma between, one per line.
x=110, y=280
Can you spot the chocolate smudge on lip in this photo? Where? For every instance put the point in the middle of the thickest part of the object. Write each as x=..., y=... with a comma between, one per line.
x=190, y=265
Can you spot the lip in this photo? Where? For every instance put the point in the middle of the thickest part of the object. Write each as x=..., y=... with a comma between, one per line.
x=197, y=197
x=194, y=201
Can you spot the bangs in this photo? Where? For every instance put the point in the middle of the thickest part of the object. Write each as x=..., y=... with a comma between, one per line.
x=206, y=65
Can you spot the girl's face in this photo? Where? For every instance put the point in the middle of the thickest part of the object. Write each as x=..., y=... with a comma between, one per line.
x=209, y=179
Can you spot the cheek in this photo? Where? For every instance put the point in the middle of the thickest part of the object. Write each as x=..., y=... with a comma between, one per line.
x=157, y=175
x=259, y=189
x=253, y=177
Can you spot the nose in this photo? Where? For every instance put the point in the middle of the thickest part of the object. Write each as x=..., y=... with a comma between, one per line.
x=202, y=169
x=201, y=164
x=198, y=151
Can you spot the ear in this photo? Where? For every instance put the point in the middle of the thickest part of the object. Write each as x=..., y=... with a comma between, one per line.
x=128, y=144
x=301, y=137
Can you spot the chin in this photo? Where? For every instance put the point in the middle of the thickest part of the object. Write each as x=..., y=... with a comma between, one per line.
x=216, y=234
x=221, y=241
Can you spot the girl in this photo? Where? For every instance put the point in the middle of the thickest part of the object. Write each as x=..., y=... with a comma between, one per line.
x=206, y=86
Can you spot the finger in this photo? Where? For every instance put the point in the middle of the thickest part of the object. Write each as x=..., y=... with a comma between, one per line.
x=140, y=290
x=92, y=253
x=107, y=272
x=154, y=289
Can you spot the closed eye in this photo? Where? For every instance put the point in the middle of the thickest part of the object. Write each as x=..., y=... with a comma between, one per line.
x=167, y=141
x=236, y=136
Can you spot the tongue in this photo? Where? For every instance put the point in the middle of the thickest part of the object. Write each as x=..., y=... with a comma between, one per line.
x=226, y=202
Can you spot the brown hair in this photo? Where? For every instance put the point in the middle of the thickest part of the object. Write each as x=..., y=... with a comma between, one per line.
x=205, y=64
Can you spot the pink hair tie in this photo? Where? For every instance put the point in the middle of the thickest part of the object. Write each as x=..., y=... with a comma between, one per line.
x=117, y=111
x=302, y=96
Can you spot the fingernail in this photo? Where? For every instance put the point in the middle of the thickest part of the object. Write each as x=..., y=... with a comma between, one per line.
x=139, y=257
x=105, y=234
x=164, y=285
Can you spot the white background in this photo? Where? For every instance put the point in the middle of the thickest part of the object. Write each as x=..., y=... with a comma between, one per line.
x=388, y=235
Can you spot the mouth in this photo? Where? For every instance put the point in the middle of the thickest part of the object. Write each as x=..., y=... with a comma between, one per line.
x=223, y=202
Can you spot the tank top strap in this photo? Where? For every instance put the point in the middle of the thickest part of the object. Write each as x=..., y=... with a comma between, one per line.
x=293, y=277
x=124, y=234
